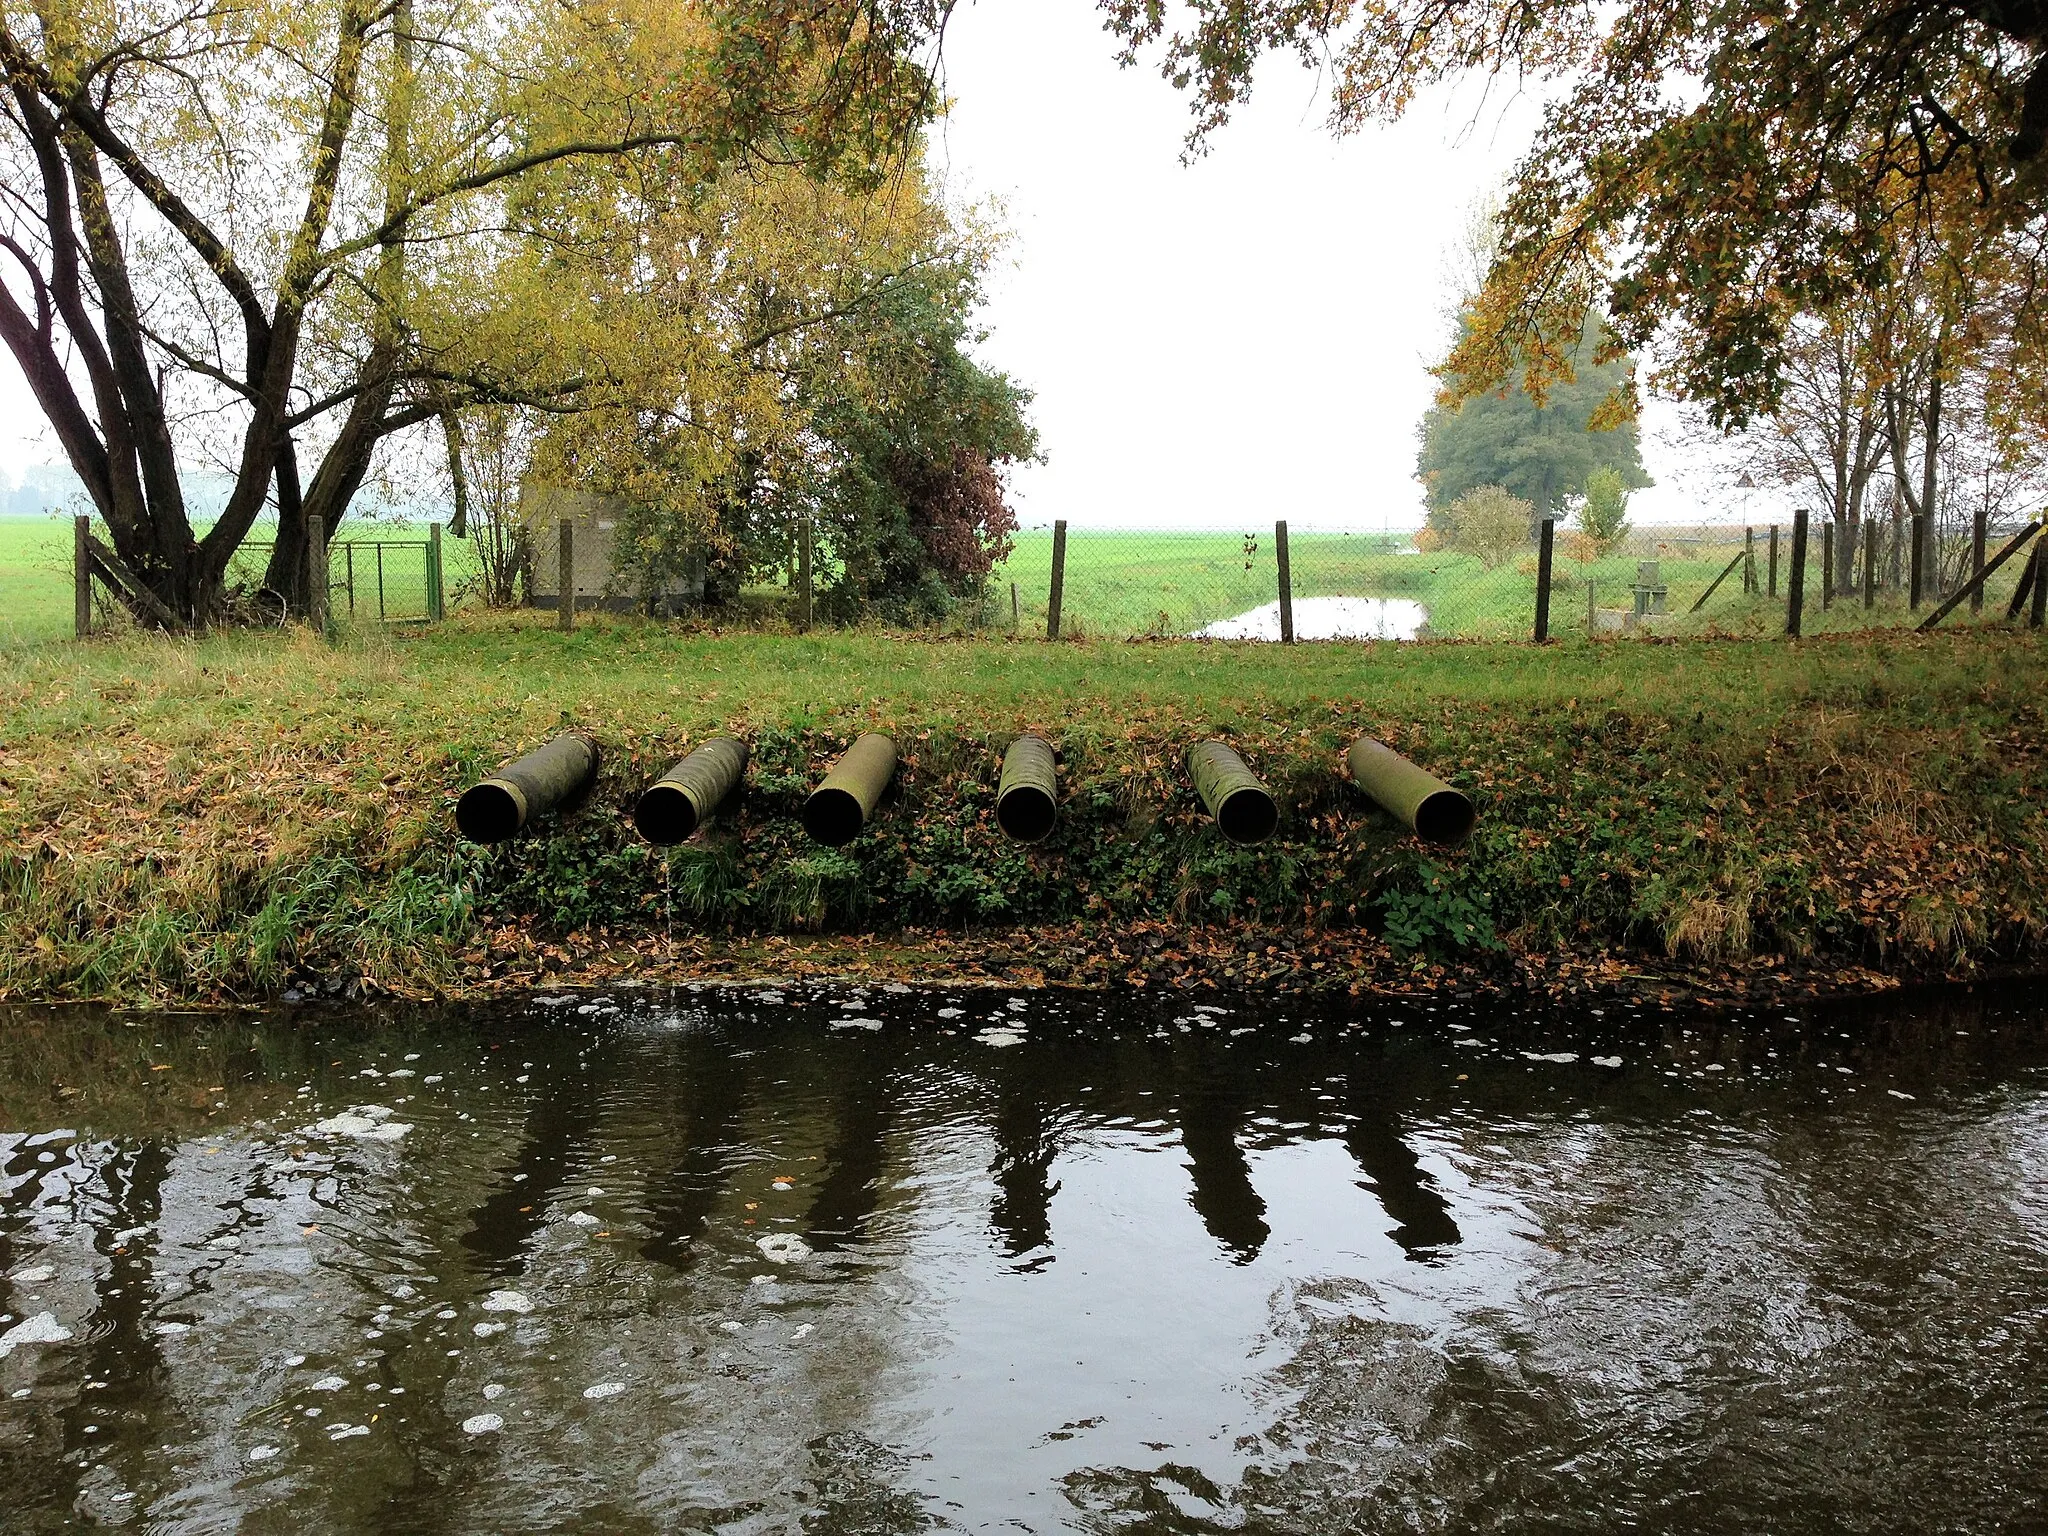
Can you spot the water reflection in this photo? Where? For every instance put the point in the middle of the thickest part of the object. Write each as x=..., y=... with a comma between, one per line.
x=1147, y=1271
x=1327, y=618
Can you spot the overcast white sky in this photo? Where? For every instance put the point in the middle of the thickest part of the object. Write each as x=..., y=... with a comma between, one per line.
x=1240, y=339
x=1211, y=345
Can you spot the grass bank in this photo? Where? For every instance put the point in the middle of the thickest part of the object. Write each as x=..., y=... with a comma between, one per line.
x=232, y=815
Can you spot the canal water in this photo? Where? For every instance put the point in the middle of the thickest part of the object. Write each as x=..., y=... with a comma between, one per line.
x=860, y=1261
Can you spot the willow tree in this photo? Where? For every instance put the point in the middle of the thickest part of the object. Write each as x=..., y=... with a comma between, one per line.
x=268, y=229
x=778, y=349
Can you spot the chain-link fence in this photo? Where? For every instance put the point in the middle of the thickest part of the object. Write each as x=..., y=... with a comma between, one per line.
x=368, y=580
x=1324, y=584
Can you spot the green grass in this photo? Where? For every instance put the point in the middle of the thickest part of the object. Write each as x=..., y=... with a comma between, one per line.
x=213, y=816
x=1142, y=583
x=1122, y=584
x=36, y=591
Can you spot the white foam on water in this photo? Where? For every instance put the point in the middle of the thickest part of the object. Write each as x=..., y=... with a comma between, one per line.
x=43, y=1328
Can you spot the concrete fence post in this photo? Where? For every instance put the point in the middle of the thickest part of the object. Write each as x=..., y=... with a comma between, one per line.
x=565, y=578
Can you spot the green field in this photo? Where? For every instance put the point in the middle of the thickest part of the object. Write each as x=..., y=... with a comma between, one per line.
x=1141, y=583
x=1122, y=584
x=35, y=573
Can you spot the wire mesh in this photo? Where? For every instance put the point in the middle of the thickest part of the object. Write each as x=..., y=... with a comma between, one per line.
x=1662, y=580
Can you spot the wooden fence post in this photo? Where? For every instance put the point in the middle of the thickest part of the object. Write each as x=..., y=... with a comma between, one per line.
x=1870, y=540
x=1059, y=578
x=1286, y=583
x=1916, y=562
x=1774, y=561
x=1592, y=612
x=1795, y=590
x=1975, y=586
x=81, y=575
x=316, y=571
x=2039, y=611
x=565, y=578
x=1749, y=562
x=1827, y=564
x=437, y=591
x=1979, y=528
x=806, y=604
x=2025, y=589
x=1546, y=540
x=1016, y=611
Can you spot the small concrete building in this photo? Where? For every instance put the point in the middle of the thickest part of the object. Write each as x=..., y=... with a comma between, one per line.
x=596, y=582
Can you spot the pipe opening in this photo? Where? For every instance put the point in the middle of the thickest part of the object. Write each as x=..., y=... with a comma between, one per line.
x=1247, y=816
x=665, y=814
x=489, y=812
x=1026, y=813
x=833, y=816
x=1445, y=817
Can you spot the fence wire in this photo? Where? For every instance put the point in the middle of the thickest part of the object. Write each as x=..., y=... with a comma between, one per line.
x=1666, y=580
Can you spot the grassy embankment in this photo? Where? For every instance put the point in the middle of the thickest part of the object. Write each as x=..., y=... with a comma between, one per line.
x=224, y=816
x=1141, y=583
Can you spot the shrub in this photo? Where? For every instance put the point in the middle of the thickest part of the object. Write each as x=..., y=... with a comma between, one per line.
x=1490, y=523
x=1603, y=514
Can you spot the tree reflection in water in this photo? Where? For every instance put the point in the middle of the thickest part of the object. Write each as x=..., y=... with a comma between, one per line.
x=1137, y=1273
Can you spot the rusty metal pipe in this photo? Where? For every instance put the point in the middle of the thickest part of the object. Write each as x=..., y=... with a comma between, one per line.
x=1243, y=810
x=847, y=796
x=526, y=787
x=1421, y=801
x=691, y=793
x=1027, y=795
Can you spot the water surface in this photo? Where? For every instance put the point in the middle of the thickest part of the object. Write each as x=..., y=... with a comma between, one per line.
x=1327, y=618
x=859, y=1261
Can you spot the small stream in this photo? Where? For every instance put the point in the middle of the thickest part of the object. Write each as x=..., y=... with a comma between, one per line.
x=858, y=1260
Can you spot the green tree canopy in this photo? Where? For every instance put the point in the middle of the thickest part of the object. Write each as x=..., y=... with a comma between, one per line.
x=1541, y=453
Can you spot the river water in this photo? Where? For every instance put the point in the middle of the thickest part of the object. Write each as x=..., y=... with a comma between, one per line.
x=856, y=1261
